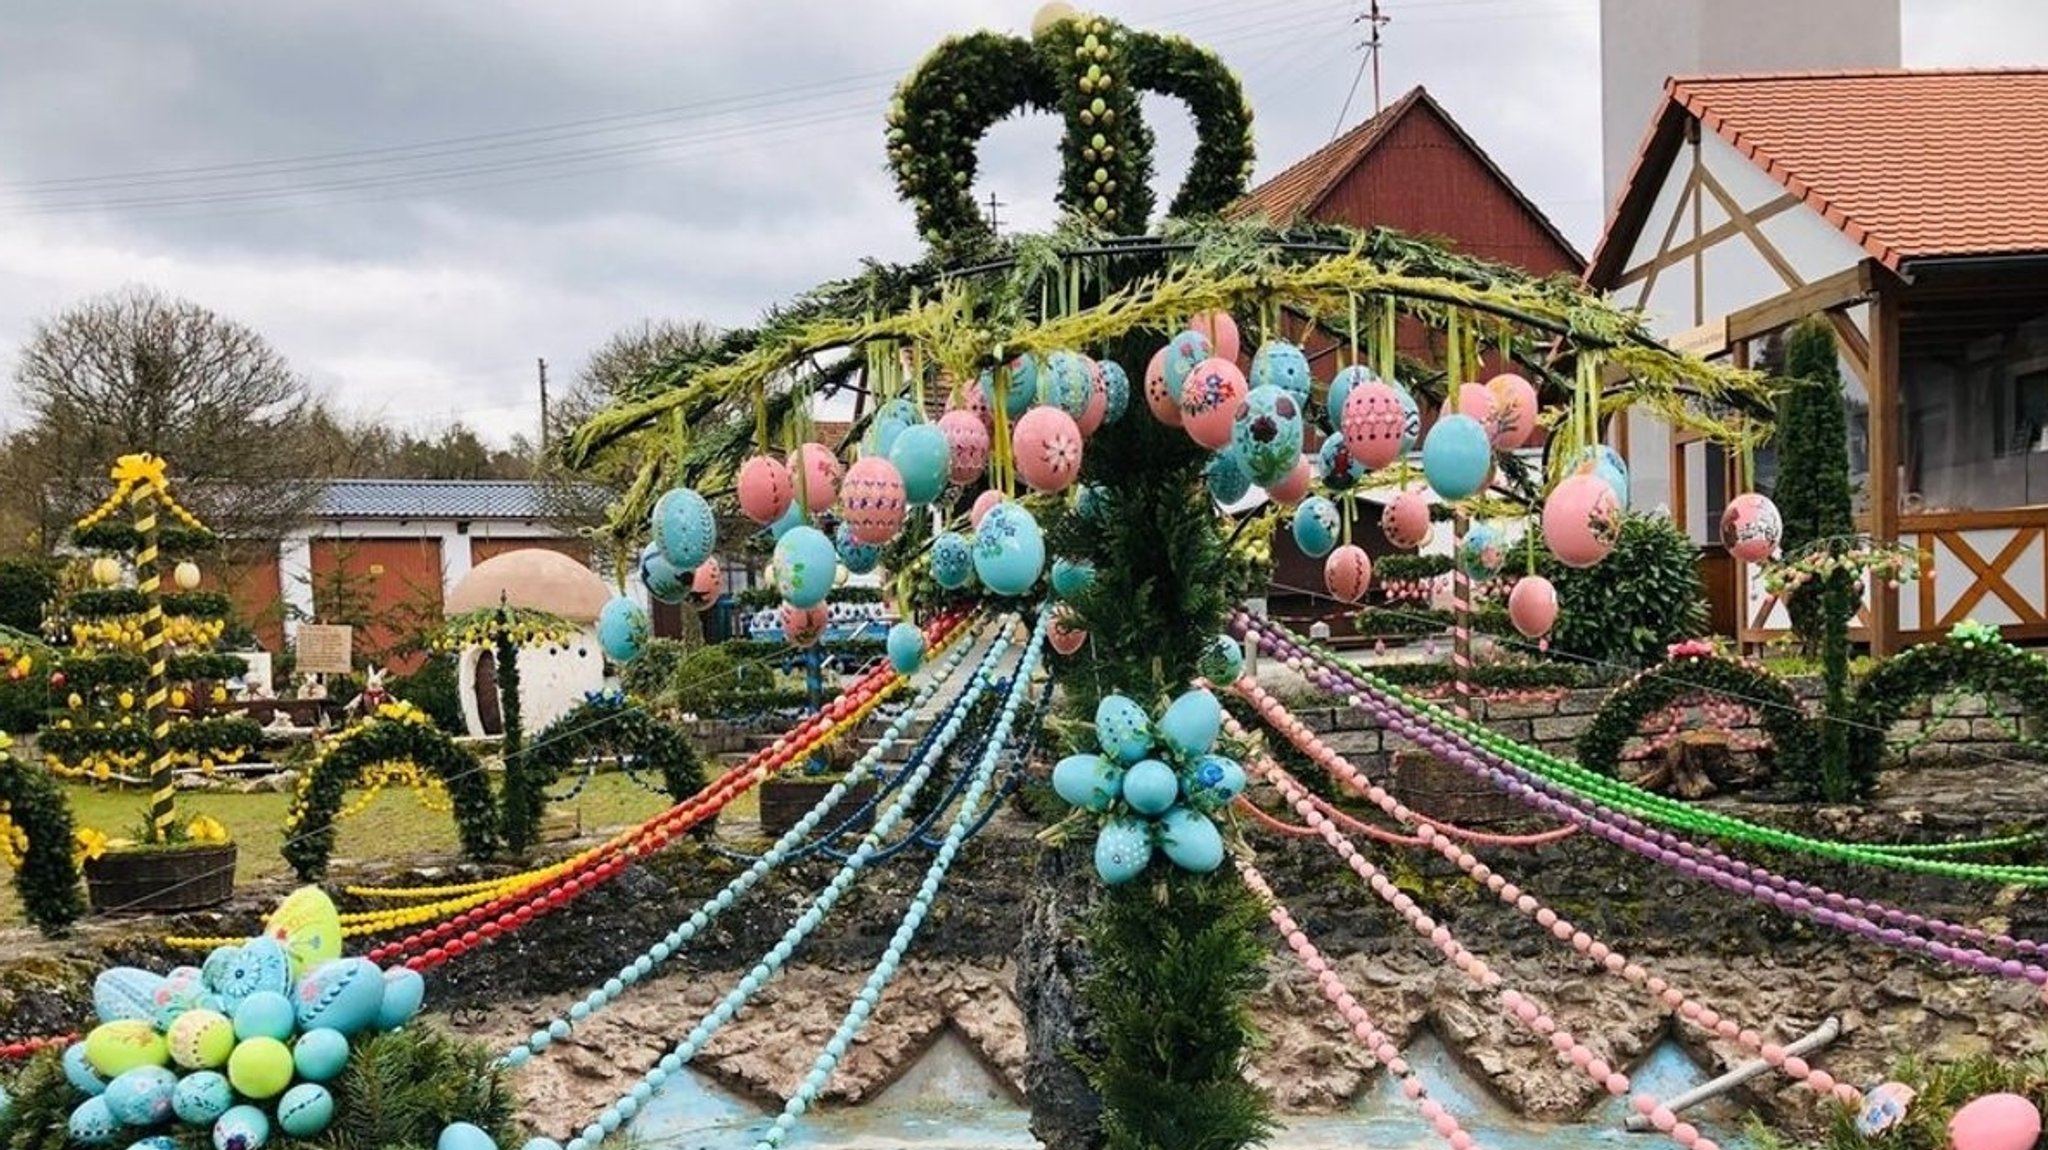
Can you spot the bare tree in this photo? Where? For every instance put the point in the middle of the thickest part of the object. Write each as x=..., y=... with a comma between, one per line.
x=138, y=371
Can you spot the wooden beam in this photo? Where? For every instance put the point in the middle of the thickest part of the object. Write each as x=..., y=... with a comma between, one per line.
x=1852, y=285
x=1648, y=272
x=1883, y=389
x=1749, y=228
x=1708, y=238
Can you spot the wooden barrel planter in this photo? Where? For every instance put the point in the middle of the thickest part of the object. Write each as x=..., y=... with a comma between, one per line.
x=1435, y=788
x=163, y=881
x=786, y=801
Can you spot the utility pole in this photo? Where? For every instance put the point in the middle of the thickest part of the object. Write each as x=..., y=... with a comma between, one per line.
x=543, y=404
x=995, y=223
x=1374, y=19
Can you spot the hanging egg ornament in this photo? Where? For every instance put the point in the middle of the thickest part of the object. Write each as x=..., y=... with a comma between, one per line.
x=1751, y=527
x=1090, y=782
x=952, y=560
x=684, y=528
x=1151, y=787
x=1348, y=573
x=979, y=402
x=661, y=578
x=1159, y=395
x=1342, y=385
x=1123, y=848
x=1532, y=606
x=1228, y=479
x=923, y=458
x=1222, y=661
x=1515, y=410
x=858, y=558
x=890, y=421
x=1581, y=521
x=1341, y=470
x=1047, y=443
x=906, y=648
x=1374, y=423
x=804, y=565
x=1090, y=419
x=792, y=518
x=1405, y=520
x=1220, y=330
x=871, y=499
x=1457, y=457
x=802, y=627
x=1316, y=524
x=1116, y=390
x=1071, y=578
x=1482, y=552
x=1026, y=375
x=1209, y=398
x=707, y=582
x=1411, y=416
x=1607, y=463
x=1294, y=487
x=1283, y=365
x=984, y=503
x=1009, y=550
x=1064, y=632
x=1266, y=432
x=1183, y=353
x=967, y=444
x=1190, y=840
x=1066, y=383
x=821, y=475
x=1475, y=401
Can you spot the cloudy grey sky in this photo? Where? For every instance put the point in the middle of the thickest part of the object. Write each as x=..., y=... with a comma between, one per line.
x=414, y=199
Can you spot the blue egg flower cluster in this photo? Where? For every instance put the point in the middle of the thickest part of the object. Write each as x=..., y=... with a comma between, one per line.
x=1155, y=784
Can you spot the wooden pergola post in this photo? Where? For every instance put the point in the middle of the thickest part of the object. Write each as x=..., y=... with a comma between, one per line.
x=1884, y=391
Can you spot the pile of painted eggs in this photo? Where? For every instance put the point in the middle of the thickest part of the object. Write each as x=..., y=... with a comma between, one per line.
x=1154, y=783
x=244, y=1046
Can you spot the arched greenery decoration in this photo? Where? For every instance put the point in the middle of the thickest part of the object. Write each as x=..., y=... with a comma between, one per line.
x=1778, y=711
x=1973, y=657
x=36, y=839
x=604, y=723
x=398, y=733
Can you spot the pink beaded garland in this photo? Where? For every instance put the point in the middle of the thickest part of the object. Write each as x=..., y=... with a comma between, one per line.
x=1047, y=443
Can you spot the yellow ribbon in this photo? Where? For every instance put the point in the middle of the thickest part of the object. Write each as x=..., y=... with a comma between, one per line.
x=140, y=470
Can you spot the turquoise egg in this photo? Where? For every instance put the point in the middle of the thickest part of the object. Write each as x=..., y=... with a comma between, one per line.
x=236, y=972
x=1222, y=661
x=891, y=420
x=80, y=1074
x=1116, y=390
x=1608, y=464
x=1411, y=416
x=1123, y=729
x=906, y=648
x=1023, y=388
x=1150, y=787
x=1316, y=524
x=1456, y=457
x=663, y=581
x=320, y=1054
x=1072, y=577
x=1009, y=550
x=805, y=566
x=1090, y=501
x=404, y=992
x=952, y=560
x=345, y=994
x=924, y=458
x=541, y=1144
x=184, y=989
x=623, y=629
x=463, y=1136
x=1228, y=478
x=1482, y=553
x=1123, y=847
x=266, y=1014
x=860, y=558
x=242, y=1128
x=92, y=1124
x=305, y=1110
x=202, y=1097
x=126, y=992
x=1185, y=351
x=1280, y=364
x=1087, y=781
x=1190, y=725
x=1341, y=470
x=1267, y=434
x=142, y=1096
x=791, y=519
x=1212, y=781
x=1067, y=384
x=154, y=1142
x=684, y=528
x=1190, y=840
x=1340, y=390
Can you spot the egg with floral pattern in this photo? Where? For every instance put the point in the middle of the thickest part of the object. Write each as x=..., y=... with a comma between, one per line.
x=952, y=560
x=1009, y=550
x=1267, y=433
x=1283, y=365
x=1048, y=449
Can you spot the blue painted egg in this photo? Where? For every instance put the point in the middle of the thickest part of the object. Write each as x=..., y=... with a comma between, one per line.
x=891, y=420
x=906, y=648
x=1411, y=416
x=1090, y=782
x=663, y=581
x=92, y=1124
x=1191, y=723
x=184, y=989
x=1457, y=457
x=234, y=973
x=1267, y=434
x=952, y=560
x=805, y=565
x=1228, y=478
x=684, y=528
x=404, y=992
x=1213, y=781
x=1280, y=364
x=202, y=1097
x=1150, y=787
x=1072, y=577
x=1123, y=847
x=1185, y=351
x=1067, y=383
x=1009, y=550
x=923, y=456
x=346, y=994
x=1190, y=840
x=242, y=1128
x=321, y=1054
x=1340, y=390
x=125, y=992
x=623, y=629
x=1023, y=387
x=1342, y=470
x=1316, y=524
x=463, y=1136
x=79, y=1072
x=142, y=1096
x=1483, y=552
x=1123, y=729
x=1222, y=661
x=1608, y=464
x=305, y=1110
x=541, y=1144
x=790, y=520
x=860, y=558
x=267, y=1014
x=1116, y=390
x=155, y=1142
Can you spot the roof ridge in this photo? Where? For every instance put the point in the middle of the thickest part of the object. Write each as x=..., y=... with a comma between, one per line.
x=1698, y=78
x=1354, y=141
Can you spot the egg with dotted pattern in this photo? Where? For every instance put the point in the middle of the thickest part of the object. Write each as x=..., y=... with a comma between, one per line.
x=345, y=994
x=1123, y=729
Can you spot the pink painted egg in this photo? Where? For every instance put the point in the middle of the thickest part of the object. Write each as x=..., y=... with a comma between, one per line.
x=1514, y=411
x=967, y=435
x=1048, y=449
x=1532, y=606
x=1160, y=398
x=1580, y=520
x=1751, y=527
x=1405, y=520
x=1209, y=399
x=707, y=582
x=1995, y=1122
x=1065, y=633
x=871, y=499
x=765, y=489
x=1294, y=488
x=977, y=402
x=822, y=473
x=1375, y=424
x=1348, y=572
x=1474, y=400
x=803, y=626
x=1098, y=399
x=1220, y=330
x=983, y=504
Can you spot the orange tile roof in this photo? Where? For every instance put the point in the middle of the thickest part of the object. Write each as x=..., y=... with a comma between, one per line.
x=1907, y=164
x=1296, y=191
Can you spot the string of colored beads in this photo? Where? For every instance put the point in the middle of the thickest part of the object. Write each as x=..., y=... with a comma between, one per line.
x=15, y=1051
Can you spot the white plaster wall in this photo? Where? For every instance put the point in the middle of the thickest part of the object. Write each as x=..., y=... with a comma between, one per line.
x=550, y=683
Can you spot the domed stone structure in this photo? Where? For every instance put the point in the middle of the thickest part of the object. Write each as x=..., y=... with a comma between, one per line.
x=551, y=681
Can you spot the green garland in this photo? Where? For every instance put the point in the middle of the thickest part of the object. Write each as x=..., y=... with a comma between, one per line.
x=109, y=602
x=88, y=673
x=208, y=737
x=309, y=828
x=1972, y=659
x=1795, y=739
x=174, y=540
x=966, y=86
x=604, y=725
x=48, y=877
x=1222, y=166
